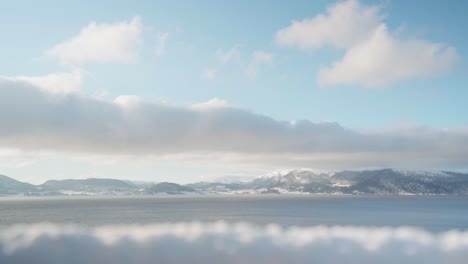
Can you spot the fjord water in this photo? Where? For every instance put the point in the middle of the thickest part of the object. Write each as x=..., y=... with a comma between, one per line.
x=433, y=213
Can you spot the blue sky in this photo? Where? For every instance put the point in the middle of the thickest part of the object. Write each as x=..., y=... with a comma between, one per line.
x=188, y=52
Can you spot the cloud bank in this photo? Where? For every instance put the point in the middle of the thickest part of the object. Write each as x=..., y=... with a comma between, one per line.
x=228, y=243
x=101, y=43
x=33, y=119
x=374, y=56
x=55, y=83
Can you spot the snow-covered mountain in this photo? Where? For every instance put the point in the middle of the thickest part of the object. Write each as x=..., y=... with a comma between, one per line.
x=376, y=182
x=381, y=182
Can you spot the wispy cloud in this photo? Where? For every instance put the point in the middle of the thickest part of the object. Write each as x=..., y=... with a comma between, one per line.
x=259, y=58
x=160, y=49
x=209, y=74
x=230, y=55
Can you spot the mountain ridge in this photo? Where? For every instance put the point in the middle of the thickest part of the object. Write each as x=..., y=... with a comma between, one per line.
x=373, y=182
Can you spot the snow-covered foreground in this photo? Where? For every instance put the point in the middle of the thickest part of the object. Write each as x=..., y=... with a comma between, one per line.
x=221, y=242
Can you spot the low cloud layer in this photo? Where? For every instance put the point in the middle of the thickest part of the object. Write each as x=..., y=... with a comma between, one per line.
x=32, y=119
x=55, y=83
x=228, y=243
x=374, y=56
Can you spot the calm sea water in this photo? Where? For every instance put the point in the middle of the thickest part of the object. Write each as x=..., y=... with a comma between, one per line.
x=432, y=213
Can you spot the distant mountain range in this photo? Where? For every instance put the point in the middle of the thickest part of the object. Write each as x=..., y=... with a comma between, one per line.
x=375, y=182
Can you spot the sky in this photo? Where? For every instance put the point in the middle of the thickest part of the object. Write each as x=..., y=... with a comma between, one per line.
x=186, y=91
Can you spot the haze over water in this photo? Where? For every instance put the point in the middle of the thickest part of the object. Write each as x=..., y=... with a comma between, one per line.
x=433, y=213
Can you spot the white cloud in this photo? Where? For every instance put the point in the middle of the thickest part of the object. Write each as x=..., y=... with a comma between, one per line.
x=128, y=101
x=101, y=43
x=30, y=120
x=212, y=103
x=232, y=54
x=56, y=83
x=384, y=59
x=374, y=56
x=345, y=24
x=221, y=242
x=259, y=58
x=160, y=49
x=209, y=74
